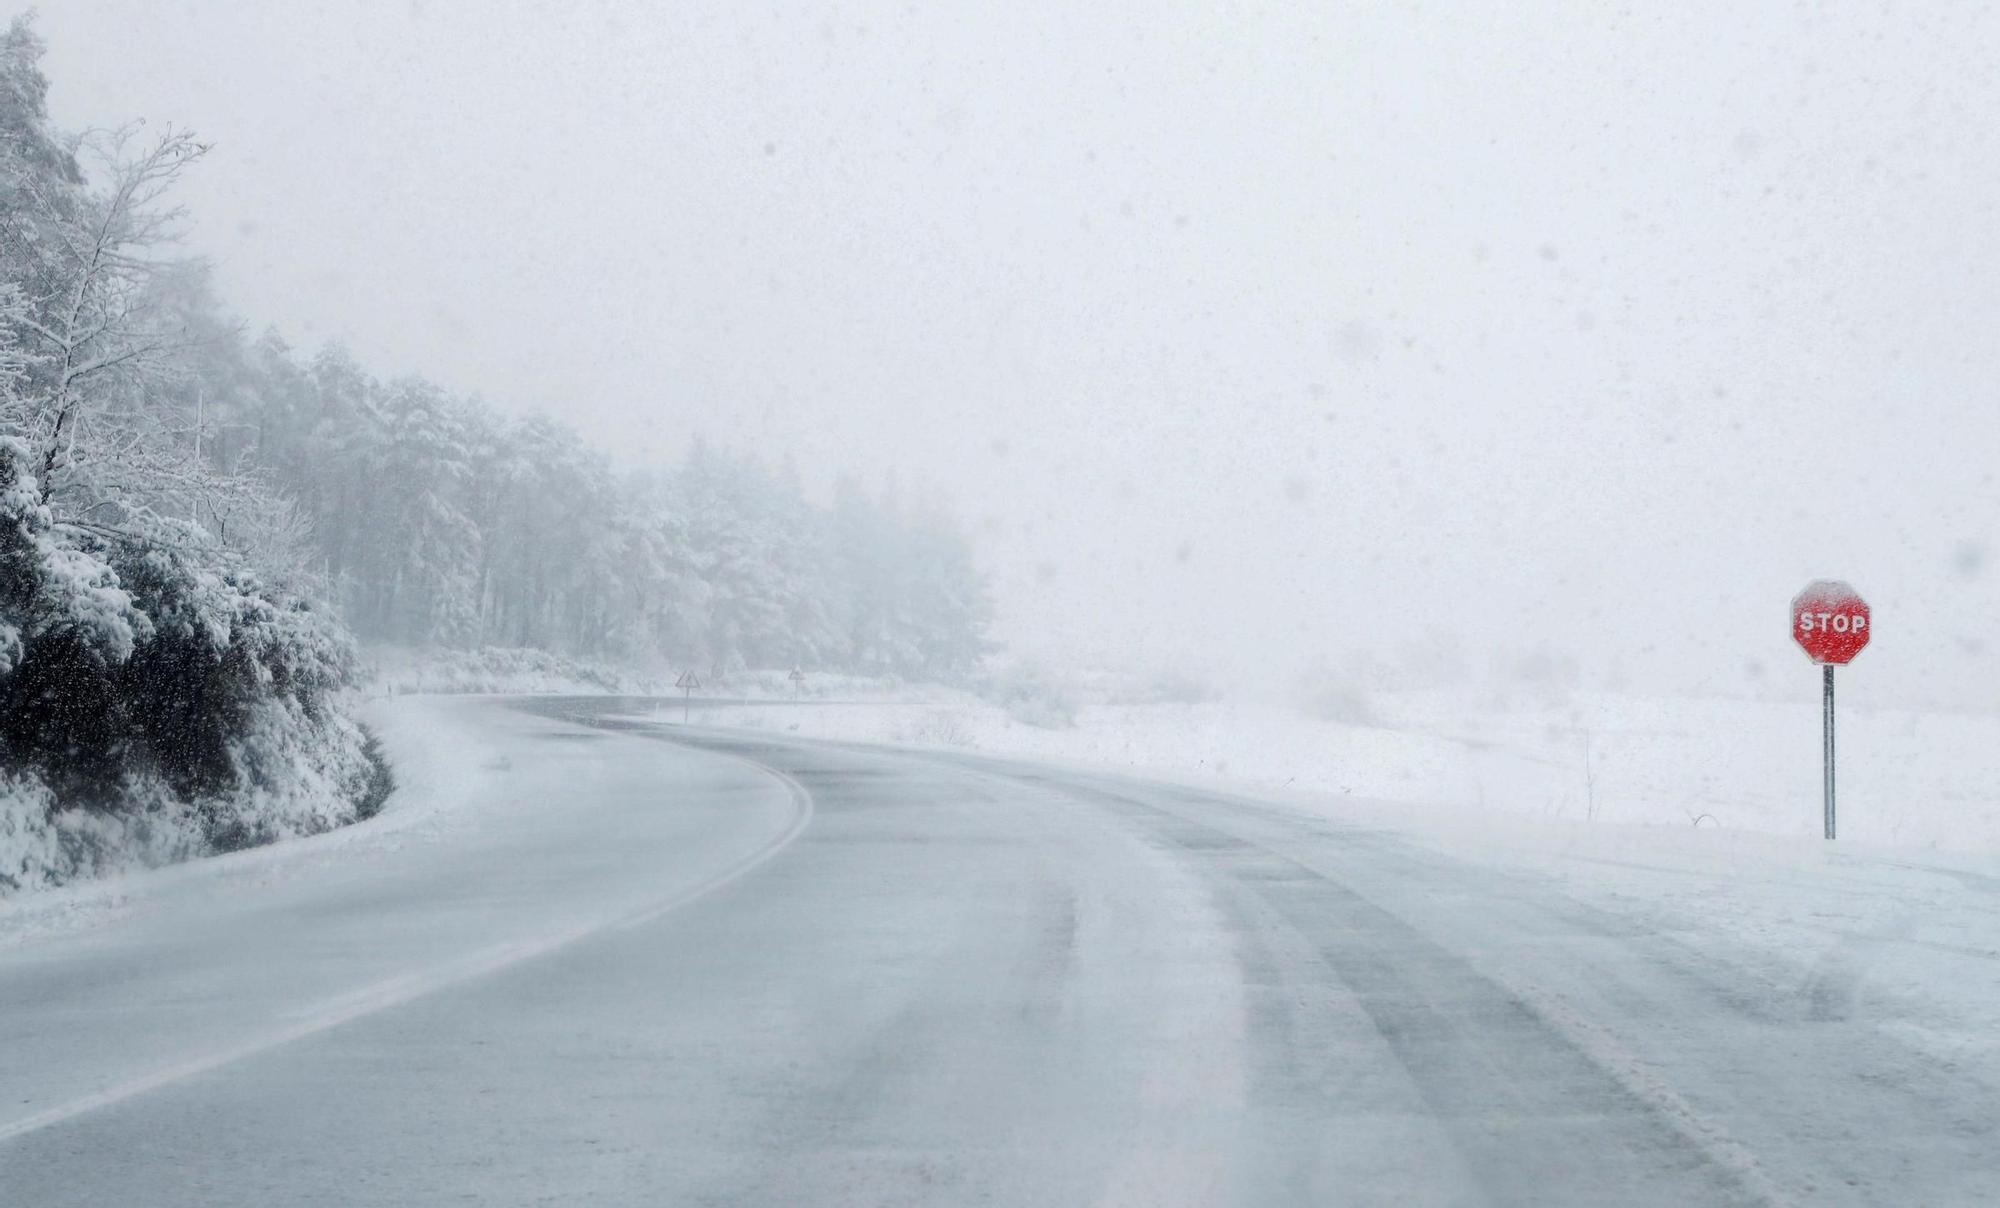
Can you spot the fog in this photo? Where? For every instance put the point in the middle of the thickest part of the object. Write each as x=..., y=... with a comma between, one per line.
x=1027, y=603
x=1236, y=340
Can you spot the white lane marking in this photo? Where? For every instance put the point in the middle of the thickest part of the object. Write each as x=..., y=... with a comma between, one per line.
x=408, y=987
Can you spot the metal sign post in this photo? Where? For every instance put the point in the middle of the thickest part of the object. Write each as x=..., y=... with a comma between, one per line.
x=1828, y=729
x=687, y=683
x=1831, y=623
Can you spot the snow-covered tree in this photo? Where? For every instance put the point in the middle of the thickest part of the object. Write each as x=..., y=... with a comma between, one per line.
x=158, y=695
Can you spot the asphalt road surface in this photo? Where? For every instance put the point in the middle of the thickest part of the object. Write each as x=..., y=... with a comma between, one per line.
x=662, y=965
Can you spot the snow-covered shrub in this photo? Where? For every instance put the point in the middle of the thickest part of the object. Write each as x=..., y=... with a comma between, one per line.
x=233, y=692
x=31, y=852
x=44, y=843
x=156, y=699
x=66, y=626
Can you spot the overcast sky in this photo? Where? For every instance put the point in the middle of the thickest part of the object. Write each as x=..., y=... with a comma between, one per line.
x=1238, y=335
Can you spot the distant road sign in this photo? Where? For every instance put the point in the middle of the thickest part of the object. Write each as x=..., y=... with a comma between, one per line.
x=1830, y=621
x=688, y=681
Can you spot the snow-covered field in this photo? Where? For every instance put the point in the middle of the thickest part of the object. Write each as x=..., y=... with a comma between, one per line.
x=1927, y=780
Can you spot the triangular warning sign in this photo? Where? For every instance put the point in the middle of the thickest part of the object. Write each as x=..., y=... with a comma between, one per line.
x=688, y=681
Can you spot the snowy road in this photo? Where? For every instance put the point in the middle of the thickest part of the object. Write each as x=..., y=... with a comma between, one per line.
x=734, y=969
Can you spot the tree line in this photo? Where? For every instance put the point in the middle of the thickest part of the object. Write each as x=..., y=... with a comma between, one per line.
x=421, y=516
x=436, y=520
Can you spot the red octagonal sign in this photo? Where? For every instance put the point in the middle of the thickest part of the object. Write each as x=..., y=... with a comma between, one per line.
x=1830, y=621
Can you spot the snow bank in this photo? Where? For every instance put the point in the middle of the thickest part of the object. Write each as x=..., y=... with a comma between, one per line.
x=402, y=670
x=774, y=683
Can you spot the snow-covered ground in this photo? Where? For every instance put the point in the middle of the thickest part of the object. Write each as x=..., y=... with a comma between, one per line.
x=1927, y=780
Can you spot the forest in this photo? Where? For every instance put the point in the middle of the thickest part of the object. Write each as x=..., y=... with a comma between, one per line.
x=198, y=528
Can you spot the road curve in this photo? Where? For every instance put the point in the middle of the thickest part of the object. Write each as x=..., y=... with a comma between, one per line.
x=691, y=966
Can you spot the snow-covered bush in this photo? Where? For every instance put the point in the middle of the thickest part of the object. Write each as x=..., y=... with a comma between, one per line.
x=156, y=699
x=44, y=843
x=234, y=692
x=66, y=626
x=31, y=851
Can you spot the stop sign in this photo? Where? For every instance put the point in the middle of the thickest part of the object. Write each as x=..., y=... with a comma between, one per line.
x=1830, y=621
